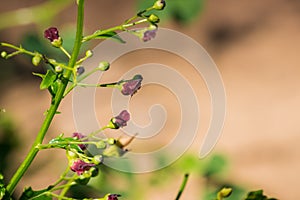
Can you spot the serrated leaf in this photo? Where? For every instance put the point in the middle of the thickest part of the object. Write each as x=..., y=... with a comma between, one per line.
x=36, y=195
x=112, y=35
x=48, y=80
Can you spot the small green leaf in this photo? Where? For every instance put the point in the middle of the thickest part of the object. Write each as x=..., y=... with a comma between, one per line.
x=112, y=35
x=36, y=195
x=48, y=80
x=257, y=195
x=38, y=74
x=64, y=143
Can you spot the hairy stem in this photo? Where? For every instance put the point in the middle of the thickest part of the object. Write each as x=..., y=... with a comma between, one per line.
x=54, y=105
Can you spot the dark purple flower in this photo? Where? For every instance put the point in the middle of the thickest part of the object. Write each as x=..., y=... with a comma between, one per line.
x=80, y=136
x=113, y=197
x=130, y=87
x=51, y=34
x=120, y=120
x=80, y=166
x=149, y=34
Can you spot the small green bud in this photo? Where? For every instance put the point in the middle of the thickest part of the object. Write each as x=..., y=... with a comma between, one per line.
x=97, y=159
x=58, y=68
x=88, y=53
x=103, y=66
x=94, y=171
x=225, y=192
x=71, y=156
x=111, y=141
x=36, y=60
x=3, y=54
x=159, y=5
x=153, y=18
x=100, y=144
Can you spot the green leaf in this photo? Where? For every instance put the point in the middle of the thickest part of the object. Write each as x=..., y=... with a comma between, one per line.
x=257, y=195
x=110, y=34
x=64, y=143
x=38, y=74
x=215, y=164
x=48, y=80
x=36, y=195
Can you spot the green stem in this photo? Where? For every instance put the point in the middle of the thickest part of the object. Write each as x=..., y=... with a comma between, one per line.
x=65, y=51
x=183, y=184
x=116, y=28
x=20, y=49
x=54, y=106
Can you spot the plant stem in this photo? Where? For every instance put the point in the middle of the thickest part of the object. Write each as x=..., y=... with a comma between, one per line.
x=54, y=105
x=183, y=184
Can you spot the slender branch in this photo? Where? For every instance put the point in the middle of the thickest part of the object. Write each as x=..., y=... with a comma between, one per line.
x=54, y=105
x=183, y=184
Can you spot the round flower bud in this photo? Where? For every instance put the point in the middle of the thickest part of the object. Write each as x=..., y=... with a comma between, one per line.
x=159, y=4
x=58, y=68
x=88, y=53
x=97, y=159
x=225, y=192
x=153, y=18
x=94, y=171
x=111, y=141
x=103, y=66
x=36, y=60
x=3, y=54
x=80, y=70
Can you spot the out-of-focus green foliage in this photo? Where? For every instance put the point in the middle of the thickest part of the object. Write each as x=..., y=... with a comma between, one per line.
x=181, y=11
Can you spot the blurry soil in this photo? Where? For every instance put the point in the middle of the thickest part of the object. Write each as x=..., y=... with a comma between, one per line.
x=255, y=44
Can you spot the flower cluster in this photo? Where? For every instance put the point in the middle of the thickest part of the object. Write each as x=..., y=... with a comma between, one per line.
x=60, y=78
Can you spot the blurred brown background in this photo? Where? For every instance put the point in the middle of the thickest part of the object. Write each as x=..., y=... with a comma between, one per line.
x=255, y=45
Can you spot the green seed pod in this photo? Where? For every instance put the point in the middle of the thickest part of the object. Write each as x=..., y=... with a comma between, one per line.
x=36, y=60
x=3, y=54
x=153, y=18
x=103, y=66
x=159, y=5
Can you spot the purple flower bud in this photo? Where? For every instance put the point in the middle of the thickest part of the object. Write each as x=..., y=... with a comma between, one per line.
x=113, y=197
x=120, y=120
x=80, y=166
x=51, y=34
x=80, y=70
x=80, y=136
x=148, y=35
x=130, y=87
